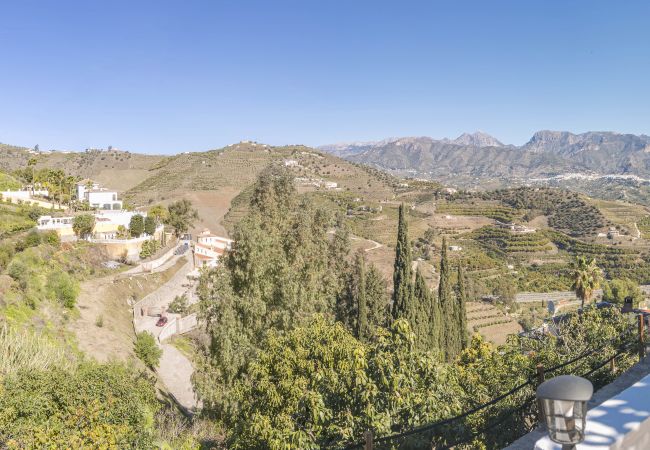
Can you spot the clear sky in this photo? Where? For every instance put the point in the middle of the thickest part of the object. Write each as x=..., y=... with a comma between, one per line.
x=171, y=76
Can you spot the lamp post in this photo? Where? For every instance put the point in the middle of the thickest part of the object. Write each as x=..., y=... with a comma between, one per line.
x=564, y=404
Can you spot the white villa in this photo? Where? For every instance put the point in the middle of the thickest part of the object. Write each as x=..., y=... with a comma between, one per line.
x=106, y=223
x=96, y=196
x=209, y=248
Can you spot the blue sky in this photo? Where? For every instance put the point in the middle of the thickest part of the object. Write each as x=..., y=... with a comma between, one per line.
x=172, y=76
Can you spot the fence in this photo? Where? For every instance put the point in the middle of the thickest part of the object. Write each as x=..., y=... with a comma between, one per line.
x=519, y=416
x=178, y=325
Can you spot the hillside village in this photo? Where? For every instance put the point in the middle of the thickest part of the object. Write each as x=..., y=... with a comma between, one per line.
x=150, y=273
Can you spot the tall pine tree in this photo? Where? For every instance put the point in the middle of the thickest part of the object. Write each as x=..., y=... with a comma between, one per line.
x=461, y=314
x=402, y=273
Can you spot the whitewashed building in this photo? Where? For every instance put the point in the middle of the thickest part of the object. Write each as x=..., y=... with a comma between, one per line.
x=209, y=248
x=97, y=197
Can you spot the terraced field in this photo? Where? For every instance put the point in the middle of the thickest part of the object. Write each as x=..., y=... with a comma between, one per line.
x=506, y=243
x=493, y=210
x=490, y=322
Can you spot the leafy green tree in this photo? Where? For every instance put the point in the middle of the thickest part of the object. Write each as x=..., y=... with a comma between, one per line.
x=319, y=387
x=83, y=225
x=136, y=225
x=587, y=277
x=159, y=213
x=147, y=350
x=403, y=305
x=181, y=216
x=278, y=274
x=150, y=225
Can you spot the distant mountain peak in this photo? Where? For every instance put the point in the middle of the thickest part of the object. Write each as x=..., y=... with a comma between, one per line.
x=477, y=139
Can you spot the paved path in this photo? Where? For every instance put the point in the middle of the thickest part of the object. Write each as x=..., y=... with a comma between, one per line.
x=162, y=297
x=175, y=371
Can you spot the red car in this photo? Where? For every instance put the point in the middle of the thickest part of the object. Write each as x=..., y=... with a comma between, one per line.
x=162, y=321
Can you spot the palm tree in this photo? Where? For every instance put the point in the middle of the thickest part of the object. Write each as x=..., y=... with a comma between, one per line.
x=586, y=278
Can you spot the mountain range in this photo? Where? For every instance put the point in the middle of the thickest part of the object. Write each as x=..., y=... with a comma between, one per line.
x=479, y=155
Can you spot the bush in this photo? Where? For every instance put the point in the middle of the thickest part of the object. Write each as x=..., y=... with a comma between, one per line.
x=149, y=248
x=6, y=253
x=32, y=239
x=179, y=305
x=51, y=238
x=147, y=350
x=63, y=288
x=18, y=270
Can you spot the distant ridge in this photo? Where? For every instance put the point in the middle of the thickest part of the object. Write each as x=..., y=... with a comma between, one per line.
x=547, y=153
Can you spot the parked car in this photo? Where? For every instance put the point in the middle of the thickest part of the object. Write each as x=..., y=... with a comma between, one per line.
x=162, y=321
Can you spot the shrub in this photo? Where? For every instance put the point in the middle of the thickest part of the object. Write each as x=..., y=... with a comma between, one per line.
x=32, y=239
x=6, y=253
x=63, y=288
x=147, y=350
x=52, y=238
x=149, y=247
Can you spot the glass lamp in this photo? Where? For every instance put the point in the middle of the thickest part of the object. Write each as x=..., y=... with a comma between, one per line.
x=563, y=401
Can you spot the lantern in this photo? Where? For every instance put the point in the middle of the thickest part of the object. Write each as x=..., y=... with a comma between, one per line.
x=563, y=401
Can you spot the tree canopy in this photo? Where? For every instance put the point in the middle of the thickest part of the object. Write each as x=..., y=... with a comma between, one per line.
x=181, y=216
x=83, y=225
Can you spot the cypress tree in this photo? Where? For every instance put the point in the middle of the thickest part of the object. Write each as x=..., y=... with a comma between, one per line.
x=402, y=273
x=460, y=306
x=449, y=336
x=363, y=329
x=425, y=316
x=376, y=298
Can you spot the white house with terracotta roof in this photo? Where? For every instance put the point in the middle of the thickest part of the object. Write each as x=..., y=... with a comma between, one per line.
x=209, y=248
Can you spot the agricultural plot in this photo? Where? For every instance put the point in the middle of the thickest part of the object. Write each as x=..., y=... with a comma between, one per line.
x=509, y=244
x=493, y=210
x=490, y=322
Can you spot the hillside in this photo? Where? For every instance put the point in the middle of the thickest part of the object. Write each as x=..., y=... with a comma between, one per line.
x=116, y=169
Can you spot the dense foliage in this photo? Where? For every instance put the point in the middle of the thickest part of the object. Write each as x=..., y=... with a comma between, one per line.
x=99, y=406
x=318, y=385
